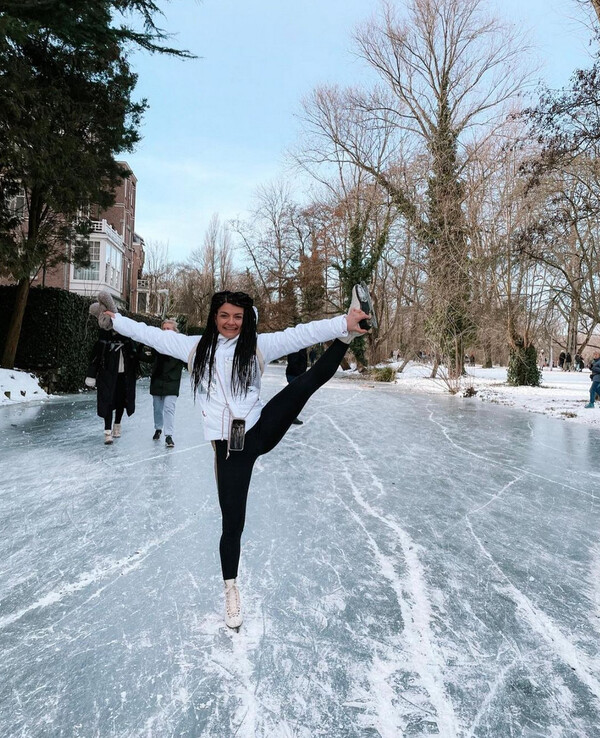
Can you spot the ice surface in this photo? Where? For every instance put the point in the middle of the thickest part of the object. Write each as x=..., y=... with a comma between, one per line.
x=412, y=566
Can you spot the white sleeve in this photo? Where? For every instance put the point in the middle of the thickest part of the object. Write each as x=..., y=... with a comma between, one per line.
x=165, y=342
x=275, y=345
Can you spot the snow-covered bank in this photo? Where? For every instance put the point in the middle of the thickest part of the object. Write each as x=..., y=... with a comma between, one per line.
x=562, y=394
x=17, y=386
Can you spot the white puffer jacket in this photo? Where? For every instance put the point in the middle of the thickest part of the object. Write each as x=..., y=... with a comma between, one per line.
x=215, y=408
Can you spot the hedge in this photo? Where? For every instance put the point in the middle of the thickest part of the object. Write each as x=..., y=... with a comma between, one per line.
x=57, y=335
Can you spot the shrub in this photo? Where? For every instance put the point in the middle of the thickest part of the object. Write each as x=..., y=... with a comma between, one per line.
x=523, y=368
x=384, y=374
x=57, y=335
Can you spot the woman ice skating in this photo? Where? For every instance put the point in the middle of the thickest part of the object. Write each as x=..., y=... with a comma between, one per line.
x=226, y=362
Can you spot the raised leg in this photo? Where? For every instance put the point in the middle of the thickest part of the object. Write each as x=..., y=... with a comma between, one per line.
x=279, y=413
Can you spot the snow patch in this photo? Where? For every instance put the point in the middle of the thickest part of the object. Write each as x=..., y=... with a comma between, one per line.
x=561, y=395
x=17, y=386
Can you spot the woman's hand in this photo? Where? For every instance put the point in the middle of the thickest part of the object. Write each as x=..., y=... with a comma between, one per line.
x=353, y=318
x=107, y=312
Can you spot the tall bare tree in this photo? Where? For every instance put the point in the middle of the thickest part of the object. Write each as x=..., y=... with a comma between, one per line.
x=447, y=72
x=159, y=272
x=208, y=270
x=270, y=240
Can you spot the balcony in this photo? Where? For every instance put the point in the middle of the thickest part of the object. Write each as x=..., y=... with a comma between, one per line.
x=101, y=226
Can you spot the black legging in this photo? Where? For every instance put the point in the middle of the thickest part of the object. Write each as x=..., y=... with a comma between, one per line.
x=233, y=474
x=120, y=397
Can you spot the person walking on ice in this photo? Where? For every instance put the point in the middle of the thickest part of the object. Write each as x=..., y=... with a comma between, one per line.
x=226, y=363
x=595, y=377
x=112, y=370
x=164, y=388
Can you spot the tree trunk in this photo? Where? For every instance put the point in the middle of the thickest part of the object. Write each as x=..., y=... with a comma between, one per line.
x=14, y=331
x=572, y=332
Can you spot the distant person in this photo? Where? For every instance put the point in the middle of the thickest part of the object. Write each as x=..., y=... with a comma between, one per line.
x=113, y=370
x=578, y=362
x=312, y=355
x=595, y=377
x=568, y=362
x=561, y=360
x=472, y=360
x=164, y=388
x=297, y=364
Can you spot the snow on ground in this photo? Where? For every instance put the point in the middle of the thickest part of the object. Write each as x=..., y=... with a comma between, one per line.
x=562, y=394
x=17, y=386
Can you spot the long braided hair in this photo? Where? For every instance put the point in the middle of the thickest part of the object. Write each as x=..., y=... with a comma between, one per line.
x=244, y=359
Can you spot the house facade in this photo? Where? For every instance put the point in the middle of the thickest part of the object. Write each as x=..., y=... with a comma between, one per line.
x=116, y=253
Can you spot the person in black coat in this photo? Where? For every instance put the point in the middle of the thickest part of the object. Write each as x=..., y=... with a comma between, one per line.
x=297, y=364
x=164, y=388
x=113, y=370
x=594, y=367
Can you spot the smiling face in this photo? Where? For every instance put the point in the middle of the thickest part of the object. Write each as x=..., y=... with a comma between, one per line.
x=229, y=319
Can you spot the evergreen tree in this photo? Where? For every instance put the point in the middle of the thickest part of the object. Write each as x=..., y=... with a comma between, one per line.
x=523, y=370
x=360, y=266
x=66, y=112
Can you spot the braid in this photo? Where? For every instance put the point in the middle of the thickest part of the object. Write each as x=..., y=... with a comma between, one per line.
x=244, y=359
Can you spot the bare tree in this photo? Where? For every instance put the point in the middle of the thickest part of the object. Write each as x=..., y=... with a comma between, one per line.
x=565, y=239
x=447, y=74
x=209, y=269
x=510, y=291
x=270, y=240
x=592, y=10
x=159, y=272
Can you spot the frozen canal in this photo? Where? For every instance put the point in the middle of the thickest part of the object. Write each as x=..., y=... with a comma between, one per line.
x=412, y=566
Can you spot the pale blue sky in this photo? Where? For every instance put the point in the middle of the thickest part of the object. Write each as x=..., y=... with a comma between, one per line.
x=219, y=126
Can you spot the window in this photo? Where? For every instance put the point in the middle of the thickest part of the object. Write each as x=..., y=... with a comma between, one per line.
x=18, y=204
x=91, y=272
x=142, y=302
x=114, y=264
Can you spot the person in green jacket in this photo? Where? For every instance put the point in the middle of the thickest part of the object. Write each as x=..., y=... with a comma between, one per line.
x=164, y=388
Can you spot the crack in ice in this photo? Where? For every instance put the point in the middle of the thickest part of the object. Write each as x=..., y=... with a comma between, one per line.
x=122, y=566
x=417, y=618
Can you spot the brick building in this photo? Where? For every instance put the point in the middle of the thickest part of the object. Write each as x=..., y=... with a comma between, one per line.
x=116, y=253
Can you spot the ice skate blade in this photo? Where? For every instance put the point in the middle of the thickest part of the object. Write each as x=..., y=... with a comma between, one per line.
x=366, y=306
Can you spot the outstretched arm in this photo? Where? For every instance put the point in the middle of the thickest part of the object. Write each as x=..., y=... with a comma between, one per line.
x=275, y=345
x=165, y=342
